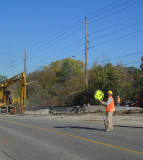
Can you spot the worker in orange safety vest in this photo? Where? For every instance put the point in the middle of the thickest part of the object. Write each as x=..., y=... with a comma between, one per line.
x=118, y=101
x=109, y=109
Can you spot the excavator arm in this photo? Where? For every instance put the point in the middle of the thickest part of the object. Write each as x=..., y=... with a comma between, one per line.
x=9, y=82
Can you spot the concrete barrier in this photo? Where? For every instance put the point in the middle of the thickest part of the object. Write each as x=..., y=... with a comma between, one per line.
x=94, y=108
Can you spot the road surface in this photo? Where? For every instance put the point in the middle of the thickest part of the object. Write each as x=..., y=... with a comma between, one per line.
x=36, y=138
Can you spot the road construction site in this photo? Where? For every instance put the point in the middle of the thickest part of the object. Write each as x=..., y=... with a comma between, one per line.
x=73, y=133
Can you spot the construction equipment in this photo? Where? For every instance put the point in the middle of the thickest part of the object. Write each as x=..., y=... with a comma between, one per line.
x=7, y=96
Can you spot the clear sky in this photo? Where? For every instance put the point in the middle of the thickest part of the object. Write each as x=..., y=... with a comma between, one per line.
x=52, y=30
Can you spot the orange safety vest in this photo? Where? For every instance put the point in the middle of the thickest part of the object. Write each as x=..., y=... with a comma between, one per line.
x=118, y=100
x=110, y=107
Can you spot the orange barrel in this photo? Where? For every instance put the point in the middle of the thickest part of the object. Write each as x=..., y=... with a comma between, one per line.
x=14, y=110
x=22, y=110
x=6, y=109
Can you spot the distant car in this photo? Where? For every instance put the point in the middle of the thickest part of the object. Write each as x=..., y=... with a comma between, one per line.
x=126, y=103
x=132, y=103
x=141, y=104
x=129, y=103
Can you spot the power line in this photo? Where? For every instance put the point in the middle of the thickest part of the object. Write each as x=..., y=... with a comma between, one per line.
x=114, y=31
x=12, y=65
x=68, y=36
x=132, y=63
x=125, y=21
x=98, y=37
x=52, y=44
x=109, y=10
x=71, y=26
x=65, y=49
x=116, y=11
x=118, y=38
x=123, y=56
x=131, y=54
x=56, y=34
x=45, y=60
x=117, y=31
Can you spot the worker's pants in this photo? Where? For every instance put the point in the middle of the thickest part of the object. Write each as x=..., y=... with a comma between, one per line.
x=109, y=120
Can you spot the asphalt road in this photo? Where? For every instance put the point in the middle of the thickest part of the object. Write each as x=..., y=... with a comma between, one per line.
x=33, y=138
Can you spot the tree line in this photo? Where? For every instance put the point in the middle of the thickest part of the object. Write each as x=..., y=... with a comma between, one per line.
x=62, y=83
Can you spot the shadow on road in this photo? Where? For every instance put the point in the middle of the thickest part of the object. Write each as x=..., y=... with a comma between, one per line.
x=128, y=126
x=78, y=127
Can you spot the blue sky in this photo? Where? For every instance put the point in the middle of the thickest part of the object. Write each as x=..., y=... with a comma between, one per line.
x=52, y=30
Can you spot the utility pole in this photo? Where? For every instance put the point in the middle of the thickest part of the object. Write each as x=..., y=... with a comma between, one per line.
x=25, y=58
x=25, y=61
x=86, y=79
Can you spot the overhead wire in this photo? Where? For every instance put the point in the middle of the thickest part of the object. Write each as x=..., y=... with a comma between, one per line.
x=122, y=29
x=48, y=60
x=115, y=12
x=100, y=10
x=109, y=5
x=118, y=38
x=120, y=5
x=77, y=47
x=121, y=22
x=107, y=28
x=125, y=64
x=132, y=63
x=70, y=27
x=52, y=44
x=57, y=34
x=11, y=65
x=110, y=10
x=111, y=33
x=119, y=57
x=126, y=35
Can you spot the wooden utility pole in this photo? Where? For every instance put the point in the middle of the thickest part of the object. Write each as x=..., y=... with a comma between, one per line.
x=25, y=58
x=25, y=61
x=86, y=78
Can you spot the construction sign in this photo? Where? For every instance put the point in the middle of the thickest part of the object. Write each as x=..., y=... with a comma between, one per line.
x=99, y=95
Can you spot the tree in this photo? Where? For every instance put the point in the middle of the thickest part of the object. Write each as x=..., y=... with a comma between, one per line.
x=46, y=78
x=61, y=81
x=36, y=94
x=70, y=79
x=141, y=66
x=67, y=68
x=2, y=78
x=138, y=84
x=112, y=78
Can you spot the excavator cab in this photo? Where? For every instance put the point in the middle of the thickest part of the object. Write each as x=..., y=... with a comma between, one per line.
x=9, y=97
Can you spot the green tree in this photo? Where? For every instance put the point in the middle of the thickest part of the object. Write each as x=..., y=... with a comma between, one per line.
x=2, y=78
x=141, y=66
x=70, y=79
x=138, y=84
x=112, y=78
x=67, y=68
